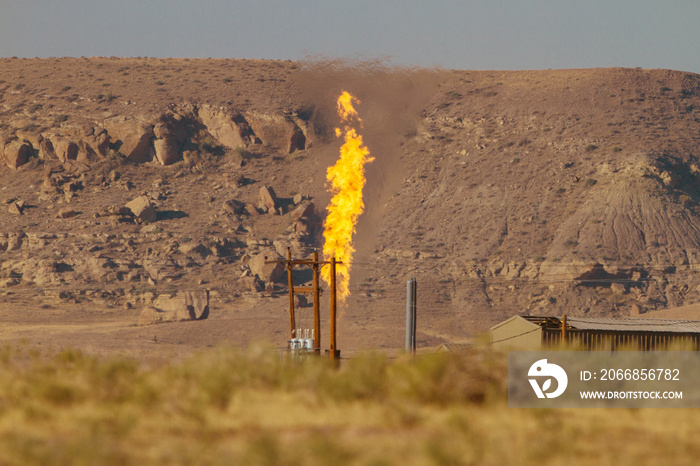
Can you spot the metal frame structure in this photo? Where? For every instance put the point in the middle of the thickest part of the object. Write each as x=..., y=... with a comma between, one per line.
x=315, y=265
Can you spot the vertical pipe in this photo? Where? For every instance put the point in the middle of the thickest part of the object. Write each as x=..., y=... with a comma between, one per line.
x=409, y=317
x=414, y=295
x=411, y=298
x=292, y=319
x=317, y=310
x=333, y=310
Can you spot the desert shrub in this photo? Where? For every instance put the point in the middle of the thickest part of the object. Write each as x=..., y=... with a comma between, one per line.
x=106, y=97
x=244, y=153
x=591, y=147
x=211, y=146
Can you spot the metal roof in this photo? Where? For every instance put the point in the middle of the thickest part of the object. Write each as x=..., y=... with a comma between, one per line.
x=621, y=324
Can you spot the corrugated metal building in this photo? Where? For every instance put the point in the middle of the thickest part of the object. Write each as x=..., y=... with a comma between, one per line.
x=531, y=333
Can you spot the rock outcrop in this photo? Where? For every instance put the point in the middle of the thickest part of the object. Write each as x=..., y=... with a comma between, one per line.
x=170, y=134
x=177, y=308
x=231, y=130
x=277, y=131
x=131, y=137
x=64, y=148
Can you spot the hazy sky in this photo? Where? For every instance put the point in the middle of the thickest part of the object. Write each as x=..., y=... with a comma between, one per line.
x=468, y=34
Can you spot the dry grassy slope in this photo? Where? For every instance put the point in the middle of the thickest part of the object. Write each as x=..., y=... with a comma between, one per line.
x=499, y=196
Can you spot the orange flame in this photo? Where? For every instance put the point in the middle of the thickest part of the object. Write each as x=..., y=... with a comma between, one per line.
x=345, y=180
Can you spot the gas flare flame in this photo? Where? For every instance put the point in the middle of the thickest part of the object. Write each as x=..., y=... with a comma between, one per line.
x=345, y=181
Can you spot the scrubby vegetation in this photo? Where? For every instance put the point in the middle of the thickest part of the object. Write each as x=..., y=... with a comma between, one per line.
x=225, y=406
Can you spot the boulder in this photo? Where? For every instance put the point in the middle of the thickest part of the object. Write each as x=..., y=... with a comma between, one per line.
x=305, y=211
x=181, y=307
x=170, y=134
x=143, y=209
x=131, y=137
x=151, y=315
x=268, y=198
x=16, y=208
x=251, y=210
x=30, y=137
x=231, y=131
x=277, y=131
x=98, y=141
x=167, y=150
x=66, y=212
x=254, y=284
x=172, y=309
x=65, y=149
x=46, y=150
x=16, y=154
x=268, y=272
x=199, y=302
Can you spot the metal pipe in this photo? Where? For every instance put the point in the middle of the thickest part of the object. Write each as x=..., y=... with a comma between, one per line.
x=411, y=315
x=415, y=311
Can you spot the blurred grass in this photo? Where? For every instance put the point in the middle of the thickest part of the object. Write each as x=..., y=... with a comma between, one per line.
x=227, y=406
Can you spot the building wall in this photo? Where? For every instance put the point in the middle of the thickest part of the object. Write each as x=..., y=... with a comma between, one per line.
x=517, y=334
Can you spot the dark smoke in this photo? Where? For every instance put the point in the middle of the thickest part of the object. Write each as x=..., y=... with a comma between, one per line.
x=392, y=100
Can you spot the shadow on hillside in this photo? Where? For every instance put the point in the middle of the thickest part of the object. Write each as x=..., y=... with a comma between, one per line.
x=170, y=214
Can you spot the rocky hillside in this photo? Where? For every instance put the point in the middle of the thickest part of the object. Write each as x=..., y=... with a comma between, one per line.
x=132, y=182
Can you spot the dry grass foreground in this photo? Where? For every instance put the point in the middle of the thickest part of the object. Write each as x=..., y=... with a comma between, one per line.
x=225, y=406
